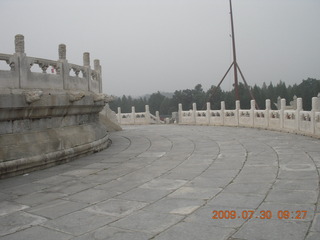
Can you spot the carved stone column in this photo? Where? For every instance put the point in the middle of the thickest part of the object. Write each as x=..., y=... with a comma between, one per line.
x=223, y=107
x=97, y=68
x=283, y=104
x=62, y=52
x=298, y=110
x=63, y=68
x=96, y=64
x=19, y=43
x=237, y=114
x=87, y=71
x=208, y=112
x=86, y=59
x=267, y=112
x=180, y=113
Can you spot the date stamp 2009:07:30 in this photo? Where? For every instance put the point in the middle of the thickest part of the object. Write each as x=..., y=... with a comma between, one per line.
x=264, y=214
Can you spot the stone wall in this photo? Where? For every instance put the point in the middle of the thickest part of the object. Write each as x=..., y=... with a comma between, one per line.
x=48, y=117
x=288, y=120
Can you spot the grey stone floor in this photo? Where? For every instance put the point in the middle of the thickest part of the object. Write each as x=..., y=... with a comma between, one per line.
x=166, y=181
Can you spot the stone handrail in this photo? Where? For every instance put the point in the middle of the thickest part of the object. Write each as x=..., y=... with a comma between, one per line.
x=21, y=75
x=47, y=115
x=138, y=118
x=5, y=57
x=288, y=120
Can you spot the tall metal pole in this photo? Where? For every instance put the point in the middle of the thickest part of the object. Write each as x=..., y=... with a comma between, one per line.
x=234, y=56
x=235, y=66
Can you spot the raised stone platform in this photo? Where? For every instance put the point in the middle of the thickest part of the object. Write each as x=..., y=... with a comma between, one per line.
x=49, y=118
x=165, y=181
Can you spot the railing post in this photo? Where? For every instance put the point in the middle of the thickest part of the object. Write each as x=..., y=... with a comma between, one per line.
x=62, y=52
x=298, y=110
x=22, y=61
x=119, y=115
x=283, y=107
x=267, y=112
x=223, y=107
x=316, y=104
x=147, y=114
x=315, y=107
x=194, y=113
x=133, y=115
x=87, y=70
x=19, y=44
x=208, y=112
x=252, y=108
x=237, y=112
x=97, y=68
x=157, y=117
x=64, y=70
x=179, y=113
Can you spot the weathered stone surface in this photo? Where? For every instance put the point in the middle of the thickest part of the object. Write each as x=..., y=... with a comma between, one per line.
x=195, y=193
x=272, y=230
x=180, y=206
x=109, y=119
x=190, y=231
x=144, y=194
x=10, y=207
x=91, y=196
x=124, y=192
x=79, y=222
x=150, y=222
x=116, y=207
x=75, y=95
x=32, y=96
x=37, y=233
x=164, y=184
x=114, y=234
x=17, y=221
x=56, y=208
x=313, y=236
x=47, y=119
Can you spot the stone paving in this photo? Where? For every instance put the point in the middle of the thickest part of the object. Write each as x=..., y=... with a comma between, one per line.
x=169, y=182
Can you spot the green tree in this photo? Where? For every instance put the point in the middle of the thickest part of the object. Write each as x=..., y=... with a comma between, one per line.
x=199, y=96
x=165, y=107
x=155, y=101
x=281, y=90
x=215, y=96
x=306, y=90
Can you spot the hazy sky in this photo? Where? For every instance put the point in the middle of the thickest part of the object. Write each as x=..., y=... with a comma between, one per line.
x=150, y=45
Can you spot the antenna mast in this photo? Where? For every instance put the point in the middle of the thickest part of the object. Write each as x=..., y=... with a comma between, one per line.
x=234, y=55
x=235, y=66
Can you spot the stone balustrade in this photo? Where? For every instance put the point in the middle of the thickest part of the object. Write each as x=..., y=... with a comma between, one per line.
x=52, y=116
x=288, y=120
x=138, y=118
x=53, y=75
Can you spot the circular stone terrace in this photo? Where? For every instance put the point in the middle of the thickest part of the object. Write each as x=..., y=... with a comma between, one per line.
x=170, y=182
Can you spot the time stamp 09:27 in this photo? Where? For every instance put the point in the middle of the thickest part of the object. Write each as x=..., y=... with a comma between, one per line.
x=264, y=214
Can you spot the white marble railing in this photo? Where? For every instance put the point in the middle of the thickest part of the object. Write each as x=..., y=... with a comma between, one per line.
x=139, y=118
x=296, y=121
x=52, y=75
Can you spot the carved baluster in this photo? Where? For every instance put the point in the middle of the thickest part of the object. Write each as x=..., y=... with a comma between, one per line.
x=19, y=43
x=11, y=64
x=56, y=67
x=62, y=52
x=76, y=71
x=94, y=75
x=84, y=73
x=44, y=67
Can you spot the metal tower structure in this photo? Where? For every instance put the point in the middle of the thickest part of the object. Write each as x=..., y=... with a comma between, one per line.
x=235, y=65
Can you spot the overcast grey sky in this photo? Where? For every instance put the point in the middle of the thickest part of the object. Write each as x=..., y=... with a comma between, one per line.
x=150, y=45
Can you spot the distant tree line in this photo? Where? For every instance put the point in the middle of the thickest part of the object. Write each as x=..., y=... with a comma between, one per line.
x=166, y=105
